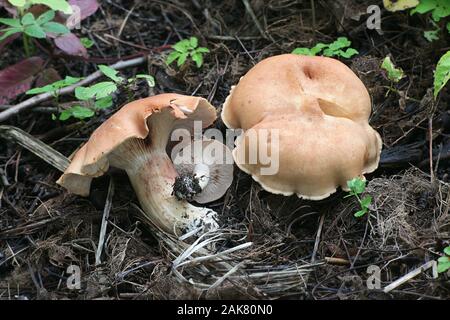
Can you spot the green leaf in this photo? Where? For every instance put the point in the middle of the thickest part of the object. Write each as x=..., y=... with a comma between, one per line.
x=77, y=112
x=35, y=31
x=150, y=79
x=317, y=48
x=303, y=52
x=86, y=42
x=44, y=89
x=394, y=74
x=193, y=42
x=102, y=89
x=424, y=6
x=67, y=81
x=8, y=32
x=59, y=5
x=431, y=35
x=104, y=103
x=366, y=201
x=198, y=59
x=18, y=3
x=447, y=251
x=360, y=213
x=443, y=264
x=55, y=27
x=174, y=55
x=398, y=5
x=350, y=52
x=182, y=46
x=340, y=43
x=442, y=73
x=46, y=17
x=202, y=50
x=439, y=9
x=28, y=19
x=11, y=22
x=110, y=73
x=83, y=93
x=182, y=59
x=357, y=185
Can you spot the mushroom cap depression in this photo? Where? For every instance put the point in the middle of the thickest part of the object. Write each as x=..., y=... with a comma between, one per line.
x=316, y=110
x=130, y=122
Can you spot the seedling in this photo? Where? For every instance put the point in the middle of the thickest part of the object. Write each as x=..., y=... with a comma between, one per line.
x=95, y=97
x=394, y=74
x=86, y=42
x=357, y=186
x=339, y=48
x=187, y=48
x=444, y=261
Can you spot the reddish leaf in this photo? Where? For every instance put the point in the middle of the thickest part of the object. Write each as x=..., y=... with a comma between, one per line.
x=47, y=76
x=17, y=79
x=87, y=7
x=70, y=44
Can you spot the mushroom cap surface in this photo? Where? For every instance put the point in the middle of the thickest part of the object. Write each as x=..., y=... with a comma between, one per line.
x=315, y=111
x=130, y=122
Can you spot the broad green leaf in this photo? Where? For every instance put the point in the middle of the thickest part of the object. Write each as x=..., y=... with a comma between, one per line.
x=182, y=46
x=46, y=17
x=399, y=5
x=366, y=201
x=357, y=185
x=394, y=74
x=150, y=79
x=103, y=89
x=443, y=264
x=11, y=22
x=59, y=5
x=18, y=3
x=8, y=32
x=340, y=43
x=77, y=112
x=317, y=48
x=193, y=42
x=68, y=80
x=360, y=213
x=55, y=27
x=303, y=51
x=447, y=251
x=104, y=103
x=172, y=57
x=83, y=93
x=35, y=31
x=110, y=73
x=182, y=59
x=86, y=42
x=28, y=19
x=442, y=73
x=424, y=6
x=431, y=35
x=44, y=89
x=198, y=59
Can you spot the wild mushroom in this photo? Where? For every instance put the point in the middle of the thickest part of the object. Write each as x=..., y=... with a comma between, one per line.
x=134, y=139
x=314, y=113
x=205, y=170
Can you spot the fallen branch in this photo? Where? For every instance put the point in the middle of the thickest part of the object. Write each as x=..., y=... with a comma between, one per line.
x=4, y=115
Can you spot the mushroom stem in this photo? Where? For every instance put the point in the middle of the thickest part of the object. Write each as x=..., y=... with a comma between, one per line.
x=201, y=172
x=152, y=180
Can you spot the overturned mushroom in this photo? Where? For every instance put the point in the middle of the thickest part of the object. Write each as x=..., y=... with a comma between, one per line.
x=134, y=139
x=205, y=170
x=310, y=114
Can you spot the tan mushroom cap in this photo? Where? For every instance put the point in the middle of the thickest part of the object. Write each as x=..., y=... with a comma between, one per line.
x=131, y=121
x=279, y=83
x=319, y=109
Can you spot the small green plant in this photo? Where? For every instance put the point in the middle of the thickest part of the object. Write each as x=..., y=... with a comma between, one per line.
x=57, y=5
x=439, y=9
x=442, y=73
x=339, y=48
x=357, y=186
x=184, y=49
x=92, y=98
x=394, y=74
x=32, y=27
x=444, y=261
x=86, y=42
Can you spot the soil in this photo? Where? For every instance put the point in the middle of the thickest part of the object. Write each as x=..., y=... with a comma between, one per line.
x=300, y=249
